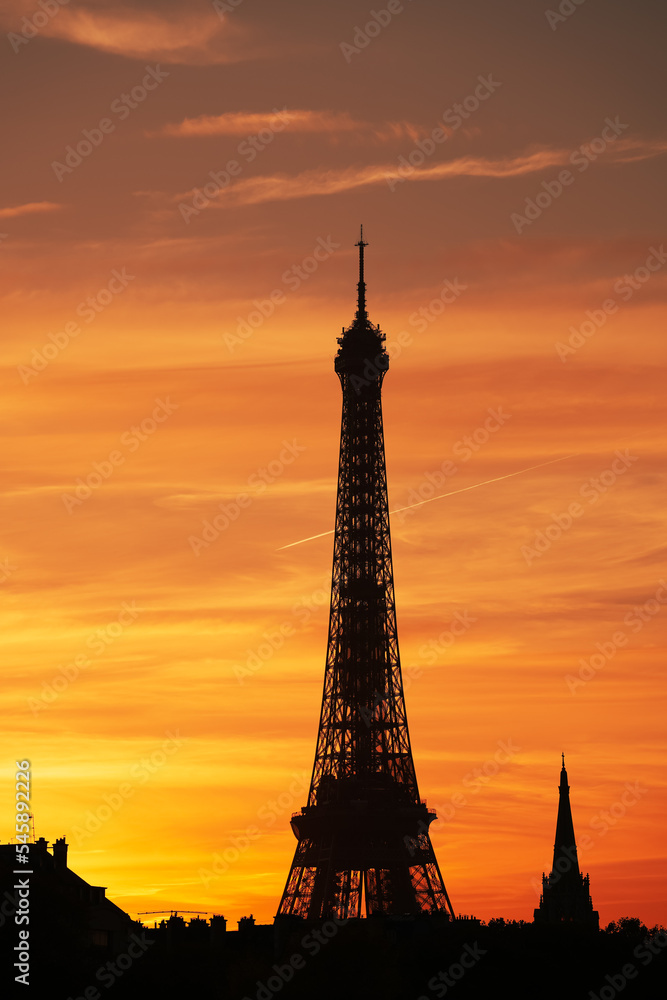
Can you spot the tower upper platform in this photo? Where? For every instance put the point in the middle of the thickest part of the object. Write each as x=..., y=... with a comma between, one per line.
x=361, y=352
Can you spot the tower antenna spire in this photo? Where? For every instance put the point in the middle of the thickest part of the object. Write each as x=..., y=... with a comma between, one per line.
x=362, y=315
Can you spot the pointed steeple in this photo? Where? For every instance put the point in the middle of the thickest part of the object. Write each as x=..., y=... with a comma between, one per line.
x=565, y=891
x=565, y=845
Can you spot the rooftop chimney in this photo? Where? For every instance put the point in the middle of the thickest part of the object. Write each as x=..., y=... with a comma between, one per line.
x=60, y=853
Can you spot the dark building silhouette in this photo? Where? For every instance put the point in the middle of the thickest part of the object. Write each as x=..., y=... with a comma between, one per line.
x=82, y=912
x=565, y=891
x=363, y=840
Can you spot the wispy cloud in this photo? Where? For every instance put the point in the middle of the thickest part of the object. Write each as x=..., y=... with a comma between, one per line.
x=177, y=34
x=297, y=120
x=632, y=150
x=281, y=187
x=30, y=208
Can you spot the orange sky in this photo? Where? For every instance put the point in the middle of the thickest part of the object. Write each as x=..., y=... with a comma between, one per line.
x=165, y=682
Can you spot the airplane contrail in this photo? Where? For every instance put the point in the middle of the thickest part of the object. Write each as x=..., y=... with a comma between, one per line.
x=420, y=503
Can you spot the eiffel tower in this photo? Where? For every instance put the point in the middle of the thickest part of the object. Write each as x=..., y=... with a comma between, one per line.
x=363, y=840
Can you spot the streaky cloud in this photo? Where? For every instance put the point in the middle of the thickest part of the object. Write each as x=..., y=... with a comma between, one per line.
x=311, y=183
x=296, y=120
x=30, y=208
x=183, y=36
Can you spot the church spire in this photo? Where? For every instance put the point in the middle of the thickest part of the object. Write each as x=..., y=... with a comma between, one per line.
x=565, y=891
x=565, y=845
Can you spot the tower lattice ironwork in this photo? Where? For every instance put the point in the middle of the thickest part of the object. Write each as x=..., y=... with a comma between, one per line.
x=363, y=840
